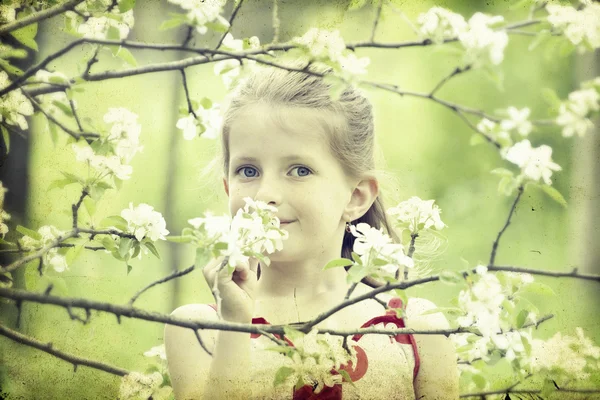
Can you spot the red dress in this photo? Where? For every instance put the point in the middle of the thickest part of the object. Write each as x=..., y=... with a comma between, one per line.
x=362, y=361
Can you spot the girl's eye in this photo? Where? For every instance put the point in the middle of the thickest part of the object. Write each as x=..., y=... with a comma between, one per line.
x=248, y=168
x=303, y=171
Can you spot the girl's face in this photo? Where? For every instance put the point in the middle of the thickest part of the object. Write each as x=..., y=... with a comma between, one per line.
x=289, y=165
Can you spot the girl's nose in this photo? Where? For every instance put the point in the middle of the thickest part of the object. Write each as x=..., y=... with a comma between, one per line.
x=269, y=192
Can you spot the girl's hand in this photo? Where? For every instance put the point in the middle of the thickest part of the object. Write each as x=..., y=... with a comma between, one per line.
x=237, y=291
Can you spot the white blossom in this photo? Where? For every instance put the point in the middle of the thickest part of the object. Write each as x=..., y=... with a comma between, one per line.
x=49, y=234
x=233, y=67
x=201, y=12
x=416, y=214
x=98, y=27
x=535, y=163
x=573, y=114
x=4, y=216
x=14, y=106
x=372, y=241
x=136, y=385
x=188, y=126
x=581, y=27
x=322, y=44
x=103, y=165
x=7, y=12
x=439, y=24
x=494, y=131
x=216, y=227
x=143, y=222
x=353, y=65
x=124, y=132
x=518, y=121
x=157, y=351
x=482, y=44
x=51, y=77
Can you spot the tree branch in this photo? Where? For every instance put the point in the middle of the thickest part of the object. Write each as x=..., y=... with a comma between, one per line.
x=233, y=14
x=512, y=210
x=167, y=278
x=48, y=348
x=39, y=16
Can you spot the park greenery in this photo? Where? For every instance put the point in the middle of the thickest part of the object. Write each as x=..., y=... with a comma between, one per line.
x=496, y=311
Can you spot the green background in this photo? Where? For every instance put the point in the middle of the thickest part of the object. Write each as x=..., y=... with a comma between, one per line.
x=425, y=146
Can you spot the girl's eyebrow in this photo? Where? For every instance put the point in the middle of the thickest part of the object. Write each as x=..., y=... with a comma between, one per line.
x=286, y=158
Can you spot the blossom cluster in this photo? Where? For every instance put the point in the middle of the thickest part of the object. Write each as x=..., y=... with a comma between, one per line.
x=535, y=162
x=47, y=235
x=136, y=385
x=230, y=70
x=574, y=113
x=101, y=19
x=329, y=47
x=415, y=214
x=548, y=357
x=7, y=11
x=481, y=43
x=144, y=222
x=207, y=122
x=517, y=121
x=4, y=216
x=202, y=13
x=373, y=244
x=581, y=27
x=111, y=155
x=14, y=106
x=315, y=356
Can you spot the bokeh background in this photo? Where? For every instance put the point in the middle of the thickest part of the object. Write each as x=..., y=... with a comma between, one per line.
x=426, y=147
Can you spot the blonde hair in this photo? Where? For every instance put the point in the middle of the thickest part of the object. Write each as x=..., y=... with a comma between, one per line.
x=351, y=139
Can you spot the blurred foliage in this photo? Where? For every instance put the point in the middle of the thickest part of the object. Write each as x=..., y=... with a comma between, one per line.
x=425, y=146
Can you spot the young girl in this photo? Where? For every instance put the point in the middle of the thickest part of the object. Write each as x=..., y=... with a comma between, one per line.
x=285, y=142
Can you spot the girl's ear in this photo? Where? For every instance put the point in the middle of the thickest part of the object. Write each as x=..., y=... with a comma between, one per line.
x=226, y=186
x=364, y=195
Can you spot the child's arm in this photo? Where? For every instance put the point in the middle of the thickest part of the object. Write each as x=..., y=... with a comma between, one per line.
x=197, y=375
x=438, y=373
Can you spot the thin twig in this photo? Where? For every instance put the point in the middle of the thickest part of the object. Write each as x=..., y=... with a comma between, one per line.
x=75, y=207
x=72, y=104
x=233, y=14
x=174, y=275
x=49, y=348
x=497, y=241
x=187, y=93
x=39, y=16
x=376, y=22
x=457, y=71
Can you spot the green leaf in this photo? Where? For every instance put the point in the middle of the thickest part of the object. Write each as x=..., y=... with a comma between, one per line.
x=403, y=296
x=356, y=258
x=150, y=246
x=217, y=26
x=125, y=55
x=448, y=310
x=13, y=53
x=126, y=5
x=125, y=246
x=179, y=239
x=451, y=277
x=5, y=137
x=206, y=103
x=6, y=243
x=282, y=374
x=9, y=68
x=26, y=36
x=356, y=4
x=554, y=195
x=539, y=288
x=116, y=221
x=202, y=258
x=73, y=253
x=340, y=262
x=136, y=249
x=170, y=24
x=479, y=380
x=53, y=132
x=521, y=318
x=502, y=172
x=292, y=334
x=90, y=206
x=113, y=33
x=72, y=178
x=28, y=232
x=109, y=244
x=128, y=269
x=356, y=273
x=550, y=97
x=63, y=107
x=346, y=376
x=476, y=139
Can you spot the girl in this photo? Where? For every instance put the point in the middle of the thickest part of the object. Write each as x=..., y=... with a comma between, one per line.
x=285, y=142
